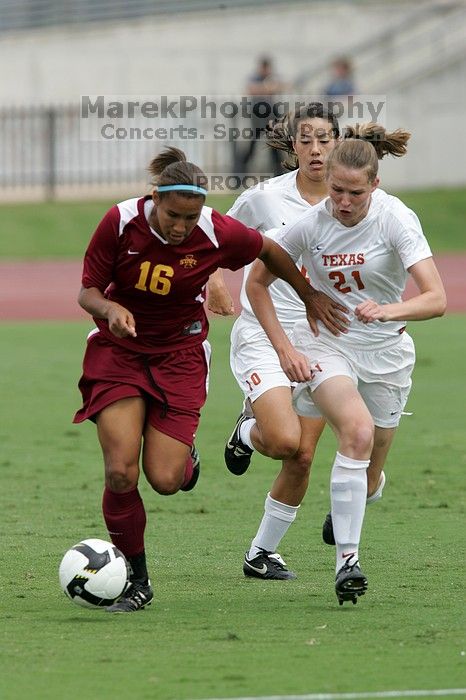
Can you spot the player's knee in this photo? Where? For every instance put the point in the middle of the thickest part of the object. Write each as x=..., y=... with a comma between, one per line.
x=359, y=438
x=166, y=484
x=301, y=462
x=282, y=446
x=280, y=442
x=381, y=441
x=167, y=489
x=119, y=480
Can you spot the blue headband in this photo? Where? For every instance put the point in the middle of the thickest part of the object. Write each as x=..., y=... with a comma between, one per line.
x=182, y=188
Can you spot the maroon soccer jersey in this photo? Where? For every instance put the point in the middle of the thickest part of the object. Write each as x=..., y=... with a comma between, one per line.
x=163, y=285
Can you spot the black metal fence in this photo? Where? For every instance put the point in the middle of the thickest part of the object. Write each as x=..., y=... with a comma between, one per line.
x=62, y=150
x=42, y=147
x=45, y=148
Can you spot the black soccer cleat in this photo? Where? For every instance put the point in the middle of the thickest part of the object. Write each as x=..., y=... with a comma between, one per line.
x=136, y=597
x=267, y=565
x=350, y=583
x=327, y=530
x=237, y=454
x=196, y=471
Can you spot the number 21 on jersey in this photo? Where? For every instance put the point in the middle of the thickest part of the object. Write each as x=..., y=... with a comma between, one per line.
x=341, y=284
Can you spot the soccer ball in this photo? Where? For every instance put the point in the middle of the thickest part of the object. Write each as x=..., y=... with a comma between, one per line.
x=93, y=573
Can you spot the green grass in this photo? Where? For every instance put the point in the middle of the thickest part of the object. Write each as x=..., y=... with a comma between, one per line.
x=62, y=230
x=210, y=632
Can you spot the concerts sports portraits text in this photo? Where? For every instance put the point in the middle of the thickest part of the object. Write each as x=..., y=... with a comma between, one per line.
x=167, y=118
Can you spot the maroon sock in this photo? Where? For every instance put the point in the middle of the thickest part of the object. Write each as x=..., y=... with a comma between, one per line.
x=188, y=472
x=125, y=518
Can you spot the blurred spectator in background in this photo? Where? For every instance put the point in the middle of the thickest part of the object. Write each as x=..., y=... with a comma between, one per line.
x=342, y=80
x=264, y=87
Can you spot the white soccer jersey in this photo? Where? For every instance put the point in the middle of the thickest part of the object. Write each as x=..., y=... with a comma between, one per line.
x=366, y=261
x=271, y=205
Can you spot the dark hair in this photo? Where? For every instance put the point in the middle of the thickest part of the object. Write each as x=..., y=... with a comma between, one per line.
x=364, y=145
x=170, y=167
x=342, y=62
x=282, y=133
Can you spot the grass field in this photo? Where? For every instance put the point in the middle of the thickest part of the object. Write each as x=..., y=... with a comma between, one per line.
x=62, y=230
x=211, y=633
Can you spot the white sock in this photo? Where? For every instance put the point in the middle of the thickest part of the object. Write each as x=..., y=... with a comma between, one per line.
x=274, y=525
x=245, y=432
x=377, y=495
x=348, y=491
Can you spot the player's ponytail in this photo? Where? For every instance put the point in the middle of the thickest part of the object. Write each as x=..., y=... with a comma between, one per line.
x=278, y=136
x=170, y=168
x=363, y=145
x=393, y=143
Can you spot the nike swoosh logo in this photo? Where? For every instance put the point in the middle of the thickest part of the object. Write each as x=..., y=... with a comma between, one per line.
x=237, y=451
x=133, y=252
x=319, y=247
x=350, y=554
x=262, y=570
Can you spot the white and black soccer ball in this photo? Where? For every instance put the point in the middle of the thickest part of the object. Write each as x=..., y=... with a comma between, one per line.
x=93, y=573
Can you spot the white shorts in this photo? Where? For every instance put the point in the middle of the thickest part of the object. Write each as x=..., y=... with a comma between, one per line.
x=382, y=375
x=253, y=360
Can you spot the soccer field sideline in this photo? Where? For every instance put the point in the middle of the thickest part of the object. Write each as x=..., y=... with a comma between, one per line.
x=360, y=696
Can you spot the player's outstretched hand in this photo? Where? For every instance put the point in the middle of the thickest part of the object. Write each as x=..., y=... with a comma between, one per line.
x=219, y=301
x=121, y=321
x=295, y=365
x=321, y=307
x=369, y=311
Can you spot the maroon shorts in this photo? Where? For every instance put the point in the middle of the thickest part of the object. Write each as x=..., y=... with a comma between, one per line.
x=174, y=385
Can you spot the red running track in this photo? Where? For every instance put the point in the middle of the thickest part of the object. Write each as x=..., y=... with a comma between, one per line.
x=48, y=290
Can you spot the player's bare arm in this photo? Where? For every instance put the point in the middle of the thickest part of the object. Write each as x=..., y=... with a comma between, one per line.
x=219, y=299
x=429, y=303
x=294, y=364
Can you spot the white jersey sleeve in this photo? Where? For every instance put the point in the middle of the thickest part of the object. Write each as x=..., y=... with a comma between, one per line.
x=267, y=207
x=406, y=233
x=244, y=210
